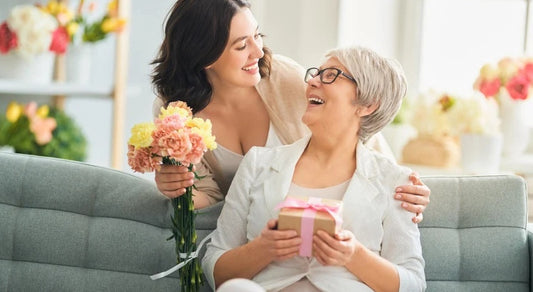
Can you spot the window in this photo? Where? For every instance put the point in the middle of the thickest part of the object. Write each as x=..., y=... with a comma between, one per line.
x=459, y=36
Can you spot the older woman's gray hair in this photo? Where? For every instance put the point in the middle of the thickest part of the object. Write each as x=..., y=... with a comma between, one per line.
x=380, y=81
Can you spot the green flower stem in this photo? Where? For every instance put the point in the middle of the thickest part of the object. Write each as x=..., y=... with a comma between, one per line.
x=184, y=233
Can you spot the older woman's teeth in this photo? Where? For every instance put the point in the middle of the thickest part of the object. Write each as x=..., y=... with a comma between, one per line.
x=249, y=67
x=316, y=100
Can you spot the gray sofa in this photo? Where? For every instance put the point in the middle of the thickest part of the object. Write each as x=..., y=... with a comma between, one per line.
x=69, y=226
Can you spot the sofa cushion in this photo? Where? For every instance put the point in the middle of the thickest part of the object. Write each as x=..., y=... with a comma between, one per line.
x=474, y=235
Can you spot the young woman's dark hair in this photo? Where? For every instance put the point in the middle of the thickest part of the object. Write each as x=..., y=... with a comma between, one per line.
x=196, y=34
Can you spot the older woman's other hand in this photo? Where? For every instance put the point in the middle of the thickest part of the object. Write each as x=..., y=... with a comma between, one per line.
x=415, y=197
x=171, y=180
x=334, y=250
x=278, y=244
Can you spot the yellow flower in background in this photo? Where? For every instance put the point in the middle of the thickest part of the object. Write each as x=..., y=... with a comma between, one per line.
x=58, y=9
x=72, y=28
x=112, y=8
x=43, y=111
x=141, y=135
x=13, y=112
x=113, y=25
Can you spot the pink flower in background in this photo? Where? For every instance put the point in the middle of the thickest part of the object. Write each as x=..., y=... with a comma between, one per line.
x=528, y=71
x=60, y=40
x=42, y=129
x=514, y=75
x=518, y=87
x=490, y=87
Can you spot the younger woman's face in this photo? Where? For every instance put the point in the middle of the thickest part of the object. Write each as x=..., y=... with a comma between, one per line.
x=238, y=64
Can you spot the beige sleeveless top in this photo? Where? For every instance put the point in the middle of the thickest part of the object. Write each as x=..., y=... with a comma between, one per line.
x=229, y=161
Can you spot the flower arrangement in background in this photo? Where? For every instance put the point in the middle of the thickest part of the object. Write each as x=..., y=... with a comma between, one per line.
x=513, y=75
x=43, y=131
x=30, y=30
x=444, y=114
x=83, y=30
x=430, y=114
x=474, y=114
x=175, y=138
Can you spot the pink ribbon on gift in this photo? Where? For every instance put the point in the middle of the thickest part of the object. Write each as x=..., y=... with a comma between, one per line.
x=311, y=206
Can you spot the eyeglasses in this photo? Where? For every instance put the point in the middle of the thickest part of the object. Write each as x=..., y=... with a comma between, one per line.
x=327, y=75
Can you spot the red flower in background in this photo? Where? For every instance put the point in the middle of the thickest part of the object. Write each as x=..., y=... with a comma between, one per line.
x=8, y=39
x=518, y=86
x=60, y=40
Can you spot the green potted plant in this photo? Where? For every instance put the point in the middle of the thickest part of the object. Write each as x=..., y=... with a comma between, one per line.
x=43, y=131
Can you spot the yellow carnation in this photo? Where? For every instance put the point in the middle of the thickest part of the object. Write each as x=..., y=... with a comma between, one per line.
x=175, y=110
x=43, y=111
x=13, y=112
x=204, y=125
x=207, y=138
x=141, y=135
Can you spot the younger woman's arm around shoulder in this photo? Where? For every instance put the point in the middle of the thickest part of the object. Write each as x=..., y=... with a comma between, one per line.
x=249, y=259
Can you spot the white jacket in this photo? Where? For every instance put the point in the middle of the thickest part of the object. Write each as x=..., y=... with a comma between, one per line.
x=370, y=212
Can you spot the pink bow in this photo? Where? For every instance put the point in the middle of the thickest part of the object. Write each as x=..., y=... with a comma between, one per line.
x=308, y=217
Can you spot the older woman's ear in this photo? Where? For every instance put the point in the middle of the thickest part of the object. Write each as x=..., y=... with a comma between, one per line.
x=367, y=110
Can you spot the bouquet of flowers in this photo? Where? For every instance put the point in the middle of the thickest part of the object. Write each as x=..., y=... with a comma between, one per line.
x=513, y=75
x=30, y=30
x=175, y=138
x=41, y=131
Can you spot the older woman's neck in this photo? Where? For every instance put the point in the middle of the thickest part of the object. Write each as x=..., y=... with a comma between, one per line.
x=331, y=150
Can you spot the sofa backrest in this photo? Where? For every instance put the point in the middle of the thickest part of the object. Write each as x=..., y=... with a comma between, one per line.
x=69, y=226
x=474, y=234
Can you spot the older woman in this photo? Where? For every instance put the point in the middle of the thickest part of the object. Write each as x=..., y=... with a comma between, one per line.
x=352, y=96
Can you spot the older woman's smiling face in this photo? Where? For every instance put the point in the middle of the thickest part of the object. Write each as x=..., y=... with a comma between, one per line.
x=331, y=107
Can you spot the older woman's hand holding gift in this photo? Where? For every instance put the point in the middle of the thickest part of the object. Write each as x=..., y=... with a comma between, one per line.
x=335, y=250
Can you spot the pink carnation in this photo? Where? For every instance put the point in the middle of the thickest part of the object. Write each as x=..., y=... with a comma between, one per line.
x=175, y=144
x=141, y=159
x=518, y=87
x=170, y=123
x=197, y=149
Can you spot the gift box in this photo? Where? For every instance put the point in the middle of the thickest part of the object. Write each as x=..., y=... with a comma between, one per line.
x=307, y=215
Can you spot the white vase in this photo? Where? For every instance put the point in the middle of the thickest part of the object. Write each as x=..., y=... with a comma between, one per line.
x=78, y=63
x=514, y=126
x=480, y=153
x=36, y=69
